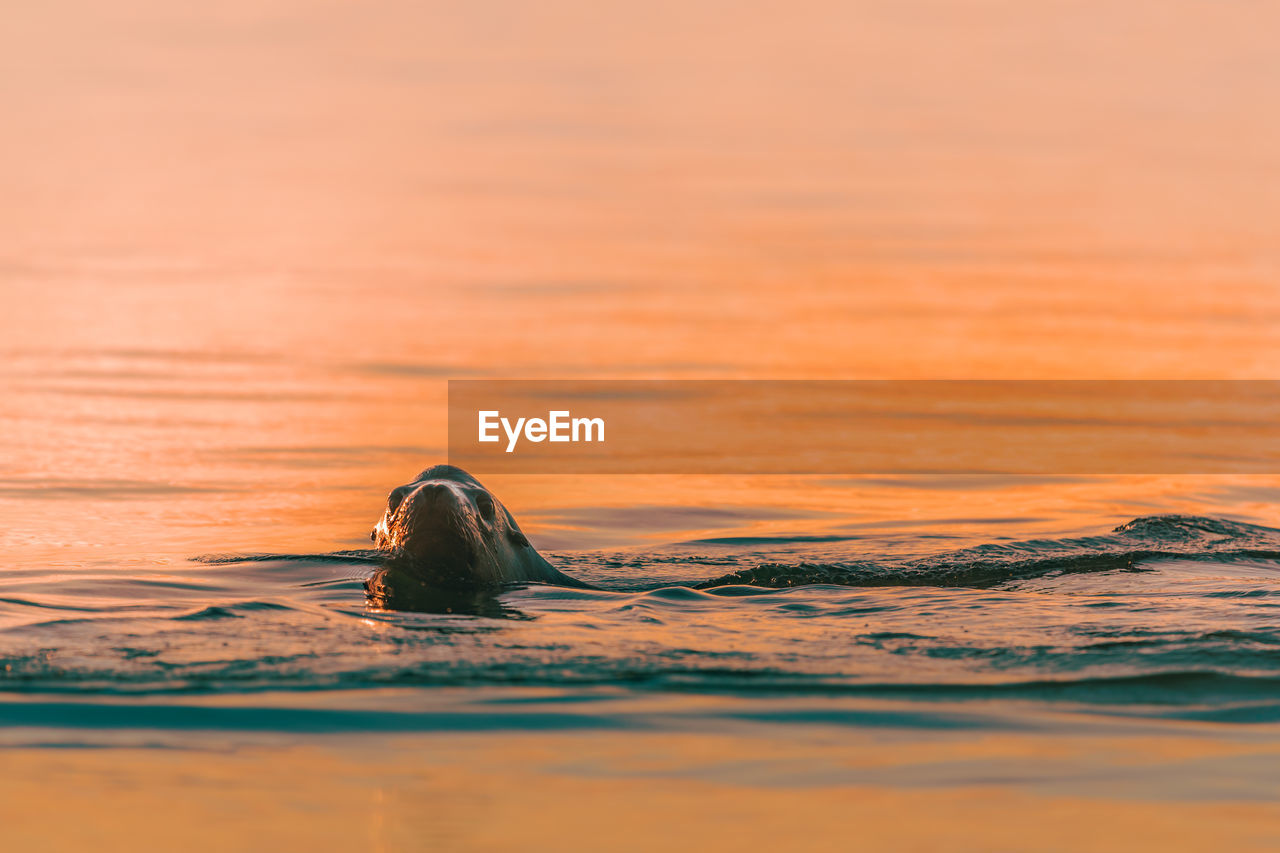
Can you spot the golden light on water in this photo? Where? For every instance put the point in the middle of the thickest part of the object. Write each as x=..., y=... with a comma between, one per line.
x=246, y=245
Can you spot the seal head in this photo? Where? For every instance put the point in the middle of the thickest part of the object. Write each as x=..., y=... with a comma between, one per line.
x=448, y=531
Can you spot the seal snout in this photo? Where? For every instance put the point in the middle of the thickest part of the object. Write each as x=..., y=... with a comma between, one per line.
x=432, y=524
x=431, y=498
x=432, y=509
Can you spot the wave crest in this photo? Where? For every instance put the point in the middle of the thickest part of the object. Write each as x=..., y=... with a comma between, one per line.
x=1126, y=548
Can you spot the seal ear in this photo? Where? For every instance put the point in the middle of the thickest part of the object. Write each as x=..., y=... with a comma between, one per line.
x=518, y=538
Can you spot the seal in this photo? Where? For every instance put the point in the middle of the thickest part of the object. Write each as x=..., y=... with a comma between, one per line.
x=446, y=531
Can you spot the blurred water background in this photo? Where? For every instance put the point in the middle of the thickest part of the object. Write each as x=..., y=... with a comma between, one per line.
x=246, y=245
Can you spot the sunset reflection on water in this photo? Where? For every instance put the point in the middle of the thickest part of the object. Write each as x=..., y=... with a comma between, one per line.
x=247, y=246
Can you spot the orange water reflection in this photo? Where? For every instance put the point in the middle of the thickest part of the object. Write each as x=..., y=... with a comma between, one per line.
x=246, y=247
x=246, y=243
x=820, y=789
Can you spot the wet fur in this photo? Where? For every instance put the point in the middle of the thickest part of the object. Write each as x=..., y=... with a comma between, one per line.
x=445, y=530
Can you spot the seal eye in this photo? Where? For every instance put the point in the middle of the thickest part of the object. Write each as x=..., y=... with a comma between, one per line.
x=485, y=504
x=397, y=498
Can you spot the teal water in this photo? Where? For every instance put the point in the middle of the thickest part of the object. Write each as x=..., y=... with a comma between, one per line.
x=1172, y=616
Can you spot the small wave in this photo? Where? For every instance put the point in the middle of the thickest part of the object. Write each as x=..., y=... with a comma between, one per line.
x=769, y=540
x=1192, y=528
x=358, y=556
x=1127, y=548
x=229, y=611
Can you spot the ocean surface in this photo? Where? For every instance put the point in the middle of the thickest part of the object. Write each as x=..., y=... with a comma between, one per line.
x=869, y=675
x=245, y=246
x=1166, y=616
